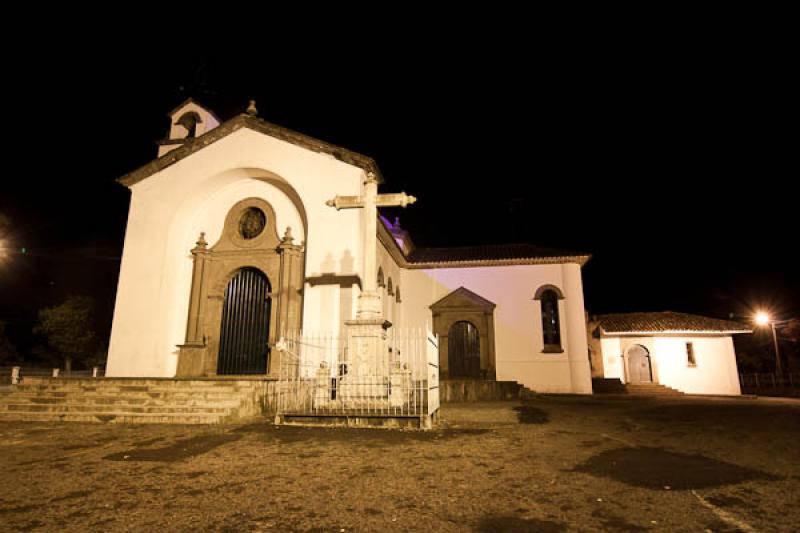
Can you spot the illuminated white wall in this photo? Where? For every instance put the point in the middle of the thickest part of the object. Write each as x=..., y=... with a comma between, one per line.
x=715, y=371
x=517, y=319
x=170, y=208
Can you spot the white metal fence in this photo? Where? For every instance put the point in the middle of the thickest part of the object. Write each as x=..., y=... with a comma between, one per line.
x=319, y=377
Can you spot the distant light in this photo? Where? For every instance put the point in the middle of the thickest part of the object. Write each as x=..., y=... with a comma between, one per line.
x=762, y=318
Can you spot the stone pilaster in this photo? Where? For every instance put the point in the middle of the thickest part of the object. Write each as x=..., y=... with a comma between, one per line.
x=578, y=349
x=192, y=354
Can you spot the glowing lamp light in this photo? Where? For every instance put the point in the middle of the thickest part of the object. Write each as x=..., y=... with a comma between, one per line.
x=762, y=318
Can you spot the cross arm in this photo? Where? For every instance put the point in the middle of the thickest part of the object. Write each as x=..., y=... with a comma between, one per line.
x=346, y=202
x=399, y=199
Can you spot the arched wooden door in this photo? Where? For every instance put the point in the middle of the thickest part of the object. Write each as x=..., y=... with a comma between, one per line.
x=463, y=351
x=639, y=364
x=244, y=332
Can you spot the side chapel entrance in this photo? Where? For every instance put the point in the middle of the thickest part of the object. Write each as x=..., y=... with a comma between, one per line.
x=246, y=294
x=463, y=351
x=464, y=322
x=639, y=370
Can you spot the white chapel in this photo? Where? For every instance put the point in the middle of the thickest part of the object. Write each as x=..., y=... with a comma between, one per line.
x=242, y=231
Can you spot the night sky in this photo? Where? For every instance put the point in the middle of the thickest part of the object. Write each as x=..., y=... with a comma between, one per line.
x=675, y=167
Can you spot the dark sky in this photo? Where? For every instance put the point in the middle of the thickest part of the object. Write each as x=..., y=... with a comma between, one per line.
x=674, y=165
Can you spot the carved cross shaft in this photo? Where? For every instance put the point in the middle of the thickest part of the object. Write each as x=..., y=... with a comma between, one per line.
x=369, y=302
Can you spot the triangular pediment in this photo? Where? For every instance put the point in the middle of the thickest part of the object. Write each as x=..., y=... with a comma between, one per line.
x=258, y=125
x=463, y=298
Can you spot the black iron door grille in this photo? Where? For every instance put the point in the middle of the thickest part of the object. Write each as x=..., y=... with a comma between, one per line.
x=244, y=332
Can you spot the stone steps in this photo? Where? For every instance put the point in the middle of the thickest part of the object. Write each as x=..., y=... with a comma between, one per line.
x=131, y=409
x=131, y=389
x=114, y=418
x=607, y=386
x=478, y=390
x=615, y=386
x=651, y=389
x=135, y=400
x=140, y=396
x=123, y=403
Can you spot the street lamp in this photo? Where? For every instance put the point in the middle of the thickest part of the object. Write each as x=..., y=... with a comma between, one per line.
x=763, y=319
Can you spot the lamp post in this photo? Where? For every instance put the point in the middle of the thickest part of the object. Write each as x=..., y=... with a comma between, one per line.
x=763, y=319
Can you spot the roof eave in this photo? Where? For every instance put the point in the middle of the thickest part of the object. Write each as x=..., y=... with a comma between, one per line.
x=558, y=260
x=261, y=126
x=646, y=333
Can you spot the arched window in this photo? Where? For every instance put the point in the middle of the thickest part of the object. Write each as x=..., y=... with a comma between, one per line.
x=381, y=282
x=551, y=325
x=389, y=287
x=190, y=121
x=397, y=294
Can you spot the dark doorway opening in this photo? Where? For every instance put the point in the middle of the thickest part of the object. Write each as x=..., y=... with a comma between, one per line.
x=244, y=333
x=464, y=351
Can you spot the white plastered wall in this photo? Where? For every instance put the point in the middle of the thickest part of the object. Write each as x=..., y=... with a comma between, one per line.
x=517, y=319
x=170, y=208
x=715, y=372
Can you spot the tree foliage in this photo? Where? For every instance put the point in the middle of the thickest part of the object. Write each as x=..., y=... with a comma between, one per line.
x=8, y=352
x=68, y=329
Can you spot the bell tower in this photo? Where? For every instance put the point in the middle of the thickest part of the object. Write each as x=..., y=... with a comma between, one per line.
x=187, y=122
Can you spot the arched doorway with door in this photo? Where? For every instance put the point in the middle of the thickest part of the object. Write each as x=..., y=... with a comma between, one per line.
x=639, y=369
x=244, y=329
x=464, y=351
x=464, y=322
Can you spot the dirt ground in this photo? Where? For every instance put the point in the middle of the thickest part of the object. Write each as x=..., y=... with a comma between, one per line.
x=552, y=464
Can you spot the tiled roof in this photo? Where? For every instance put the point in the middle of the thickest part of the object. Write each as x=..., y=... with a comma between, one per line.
x=667, y=322
x=492, y=253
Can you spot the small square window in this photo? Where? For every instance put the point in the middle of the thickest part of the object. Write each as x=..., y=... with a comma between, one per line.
x=690, y=360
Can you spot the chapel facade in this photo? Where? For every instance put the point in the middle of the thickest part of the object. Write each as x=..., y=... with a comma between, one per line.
x=231, y=244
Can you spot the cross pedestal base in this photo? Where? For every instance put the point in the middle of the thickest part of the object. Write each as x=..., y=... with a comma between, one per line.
x=367, y=376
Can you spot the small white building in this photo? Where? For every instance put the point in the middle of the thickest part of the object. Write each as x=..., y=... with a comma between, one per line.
x=690, y=353
x=209, y=221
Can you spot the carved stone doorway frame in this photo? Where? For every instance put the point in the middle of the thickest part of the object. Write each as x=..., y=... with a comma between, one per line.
x=464, y=305
x=247, y=241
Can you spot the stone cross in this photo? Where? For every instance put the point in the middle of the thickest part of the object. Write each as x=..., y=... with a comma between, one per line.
x=369, y=302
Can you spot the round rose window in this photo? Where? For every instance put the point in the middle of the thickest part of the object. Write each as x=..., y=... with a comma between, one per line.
x=252, y=223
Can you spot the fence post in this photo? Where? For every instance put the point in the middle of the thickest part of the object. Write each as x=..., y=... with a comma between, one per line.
x=95, y=371
x=15, y=375
x=772, y=376
x=55, y=372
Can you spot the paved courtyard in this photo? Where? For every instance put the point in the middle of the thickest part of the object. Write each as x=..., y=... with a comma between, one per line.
x=551, y=464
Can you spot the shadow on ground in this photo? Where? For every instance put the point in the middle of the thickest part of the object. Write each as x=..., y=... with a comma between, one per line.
x=177, y=451
x=656, y=468
x=513, y=524
x=371, y=437
x=527, y=414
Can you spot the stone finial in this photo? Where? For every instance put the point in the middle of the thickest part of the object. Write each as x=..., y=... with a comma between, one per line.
x=201, y=241
x=287, y=236
x=251, y=108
